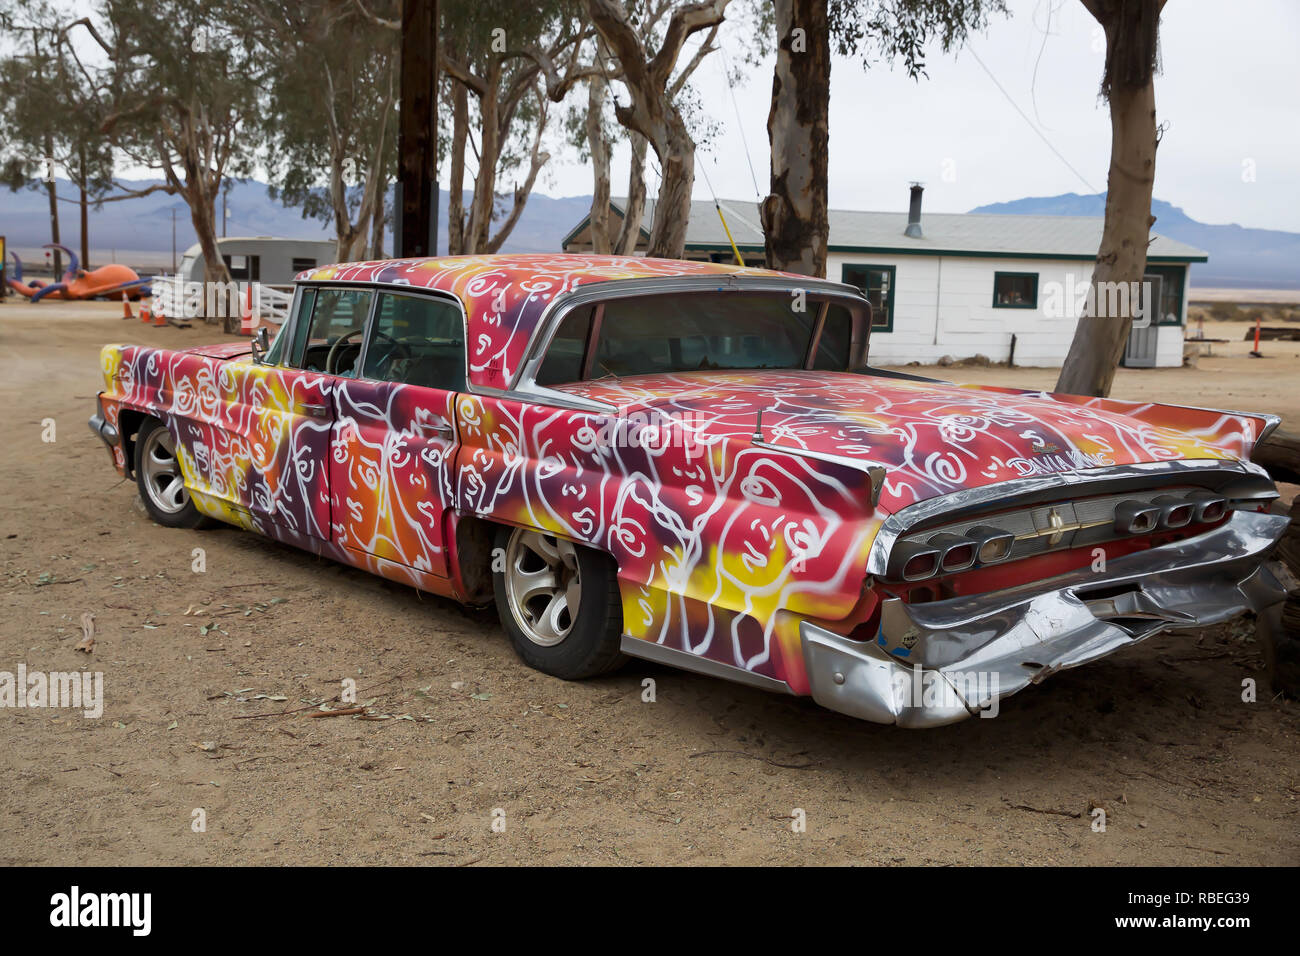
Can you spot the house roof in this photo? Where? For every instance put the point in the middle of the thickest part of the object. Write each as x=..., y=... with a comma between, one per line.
x=954, y=234
x=505, y=296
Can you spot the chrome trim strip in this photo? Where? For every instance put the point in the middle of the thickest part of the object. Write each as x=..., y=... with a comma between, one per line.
x=1022, y=491
x=684, y=660
x=550, y=398
x=1270, y=425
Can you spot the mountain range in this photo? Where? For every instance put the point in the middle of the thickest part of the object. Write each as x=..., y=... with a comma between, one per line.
x=139, y=231
x=1240, y=257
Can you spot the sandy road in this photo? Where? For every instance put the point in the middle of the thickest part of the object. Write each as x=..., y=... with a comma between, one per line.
x=708, y=772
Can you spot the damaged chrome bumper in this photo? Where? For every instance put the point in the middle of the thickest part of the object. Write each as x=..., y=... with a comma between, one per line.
x=106, y=432
x=940, y=662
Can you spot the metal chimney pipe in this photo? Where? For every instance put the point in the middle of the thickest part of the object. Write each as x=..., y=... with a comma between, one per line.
x=913, y=229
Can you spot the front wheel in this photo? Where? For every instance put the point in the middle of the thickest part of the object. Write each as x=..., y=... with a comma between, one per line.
x=158, y=474
x=559, y=603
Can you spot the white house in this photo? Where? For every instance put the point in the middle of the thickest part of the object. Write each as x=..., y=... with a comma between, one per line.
x=960, y=284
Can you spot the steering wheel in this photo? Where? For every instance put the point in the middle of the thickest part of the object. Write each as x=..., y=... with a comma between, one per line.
x=334, y=350
x=400, y=349
x=332, y=357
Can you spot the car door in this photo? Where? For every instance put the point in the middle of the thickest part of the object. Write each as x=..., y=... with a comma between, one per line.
x=291, y=437
x=394, y=441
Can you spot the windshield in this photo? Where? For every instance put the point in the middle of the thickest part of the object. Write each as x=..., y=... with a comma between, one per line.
x=696, y=332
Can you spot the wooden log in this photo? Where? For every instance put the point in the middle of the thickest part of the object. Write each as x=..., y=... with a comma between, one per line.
x=1279, y=454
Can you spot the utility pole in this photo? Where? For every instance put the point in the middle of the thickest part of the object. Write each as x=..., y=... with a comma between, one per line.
x=416, y=229
x=173, y=240
x=85, y=216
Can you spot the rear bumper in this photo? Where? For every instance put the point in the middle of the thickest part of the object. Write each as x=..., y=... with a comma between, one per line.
x=940, y=662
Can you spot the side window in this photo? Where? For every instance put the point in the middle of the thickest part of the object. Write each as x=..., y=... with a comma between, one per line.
x=837, y=337
x=563, y=361
x=417, y=340
x=301, y=323
x=334, y=314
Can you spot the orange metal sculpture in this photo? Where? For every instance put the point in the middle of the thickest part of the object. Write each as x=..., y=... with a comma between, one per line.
x=78, y=283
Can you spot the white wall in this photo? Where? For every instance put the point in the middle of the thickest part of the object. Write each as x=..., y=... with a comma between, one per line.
x=944, y=306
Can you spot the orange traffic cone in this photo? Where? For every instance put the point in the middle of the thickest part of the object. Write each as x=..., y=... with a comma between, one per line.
x=246, y=315
x=126, y=307
x=159, y=318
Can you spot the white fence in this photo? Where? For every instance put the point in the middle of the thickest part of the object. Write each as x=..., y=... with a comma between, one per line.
x=255, y=303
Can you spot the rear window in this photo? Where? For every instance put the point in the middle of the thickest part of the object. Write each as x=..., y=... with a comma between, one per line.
x=698, y=332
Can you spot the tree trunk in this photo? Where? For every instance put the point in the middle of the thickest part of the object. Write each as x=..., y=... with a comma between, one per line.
x=85, y=227
x=456, y=197
x=377, y=225
x=1100, y=336
x=483, y=204
x=630, y=232
x=203, y=215
x=599, y=149
x=52, y=190
x=676, y=155
x=795, y=221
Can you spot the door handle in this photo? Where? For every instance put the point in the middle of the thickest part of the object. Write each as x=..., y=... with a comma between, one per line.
x=313, y=411
x=439, y=429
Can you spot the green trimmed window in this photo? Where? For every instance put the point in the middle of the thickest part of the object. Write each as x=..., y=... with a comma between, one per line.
x=1015, y=290
x=877, y=282
x=1173, y=279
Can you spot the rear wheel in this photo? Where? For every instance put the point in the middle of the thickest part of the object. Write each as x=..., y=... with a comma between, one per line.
x=559, y=603
x=158, y=474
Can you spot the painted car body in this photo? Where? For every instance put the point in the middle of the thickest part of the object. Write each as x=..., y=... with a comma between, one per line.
x=755, y=517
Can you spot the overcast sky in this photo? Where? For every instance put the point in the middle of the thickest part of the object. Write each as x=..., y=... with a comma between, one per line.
x=1229, y=95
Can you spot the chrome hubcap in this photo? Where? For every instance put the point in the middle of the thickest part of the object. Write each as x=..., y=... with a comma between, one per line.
x=543, y=585
x=162, y=473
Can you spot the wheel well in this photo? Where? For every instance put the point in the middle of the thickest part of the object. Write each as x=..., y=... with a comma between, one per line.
x=473, y=557
x=129, y=423
x=475, y=546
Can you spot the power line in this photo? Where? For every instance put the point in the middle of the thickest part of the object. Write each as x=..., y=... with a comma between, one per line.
x=726, y=75
x=1037, y=131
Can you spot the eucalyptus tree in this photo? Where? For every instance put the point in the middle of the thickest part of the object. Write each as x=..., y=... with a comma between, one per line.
x=50, y=123
x=795, y=221
x=647, y=68
x=329, y=128
x=178, y=87
x=1128, y=85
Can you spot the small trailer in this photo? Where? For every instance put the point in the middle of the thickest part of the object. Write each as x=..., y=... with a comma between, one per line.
x=266, y=259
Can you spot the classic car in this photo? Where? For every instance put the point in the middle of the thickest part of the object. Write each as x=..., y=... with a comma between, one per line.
x=693, y=463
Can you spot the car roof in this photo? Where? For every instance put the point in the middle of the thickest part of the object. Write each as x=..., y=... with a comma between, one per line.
x=506, y=296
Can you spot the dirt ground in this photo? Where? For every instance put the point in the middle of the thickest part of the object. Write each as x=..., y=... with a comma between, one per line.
x=579, y=773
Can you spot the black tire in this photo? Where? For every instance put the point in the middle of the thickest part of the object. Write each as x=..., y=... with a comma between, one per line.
x=171, y=507
x=590, y=645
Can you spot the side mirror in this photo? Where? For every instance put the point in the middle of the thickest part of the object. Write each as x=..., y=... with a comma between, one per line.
x=261, y=343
